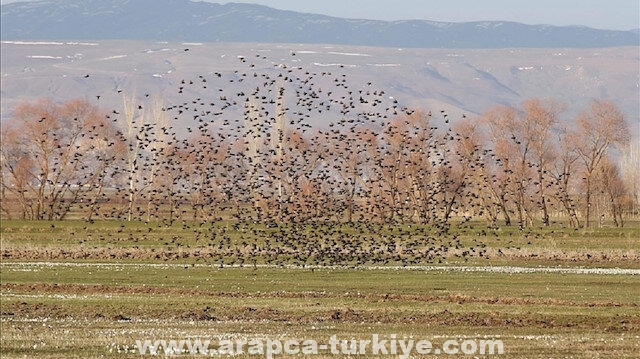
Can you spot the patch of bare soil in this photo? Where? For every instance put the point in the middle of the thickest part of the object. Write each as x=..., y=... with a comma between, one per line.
x=91, y=289
x=17, y=309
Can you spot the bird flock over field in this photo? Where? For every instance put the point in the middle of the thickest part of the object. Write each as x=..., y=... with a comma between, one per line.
x=287, y=147
x=276, y=142
x=306, y=162
x=311, y=167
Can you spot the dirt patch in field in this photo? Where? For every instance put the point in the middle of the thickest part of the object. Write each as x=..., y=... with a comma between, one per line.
x=33, y=310
x=90, y=289
x=457, y=316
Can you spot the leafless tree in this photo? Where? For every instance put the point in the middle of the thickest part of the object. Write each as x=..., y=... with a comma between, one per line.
x=51, y=156
x=609, y=185
x=540, y=119
x=598, y=128
x=563, y=171
x=630, y=172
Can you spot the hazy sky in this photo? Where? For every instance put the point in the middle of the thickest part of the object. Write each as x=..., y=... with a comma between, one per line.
x=602, y=14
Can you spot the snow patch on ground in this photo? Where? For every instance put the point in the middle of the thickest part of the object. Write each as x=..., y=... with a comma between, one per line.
x=44, y=57
x=348, y=54
x=50, y=43
x=384, y=65
x=114, y=57
x=328, y=65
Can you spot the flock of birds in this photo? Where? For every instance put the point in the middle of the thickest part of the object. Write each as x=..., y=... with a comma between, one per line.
x=277, y=142
x=286, y=151
x=358, y=244
x=272, y=141
x=309, y=167
x=303, y=245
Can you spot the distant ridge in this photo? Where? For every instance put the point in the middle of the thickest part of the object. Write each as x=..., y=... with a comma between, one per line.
x=184, y=20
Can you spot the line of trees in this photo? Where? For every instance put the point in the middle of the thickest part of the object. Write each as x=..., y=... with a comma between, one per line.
x=513, y=166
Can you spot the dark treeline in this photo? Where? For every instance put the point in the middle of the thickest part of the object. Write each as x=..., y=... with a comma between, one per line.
x=246, y=143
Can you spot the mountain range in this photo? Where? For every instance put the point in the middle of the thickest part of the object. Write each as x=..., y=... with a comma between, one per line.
x=459, y=81
x=49, y=49
x=184, y=20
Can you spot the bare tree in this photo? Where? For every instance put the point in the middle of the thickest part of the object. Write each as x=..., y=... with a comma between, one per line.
x=540, y=119
x=598, y=128
x=608, y=183
x=206, y=167
x=254, y=150
x=470, y=162
x=49, y=156
x=300, y=160
x=392, y=186
x=563, y=170
x=104, y=149
x=512, y=149
x=134, y=127
x=348, y=154
x=630, y=172
x=157, y=138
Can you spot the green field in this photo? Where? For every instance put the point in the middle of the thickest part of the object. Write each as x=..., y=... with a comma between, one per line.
x=90, y=290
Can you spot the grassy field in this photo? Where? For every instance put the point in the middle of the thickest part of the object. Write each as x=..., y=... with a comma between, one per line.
x=90, y=290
